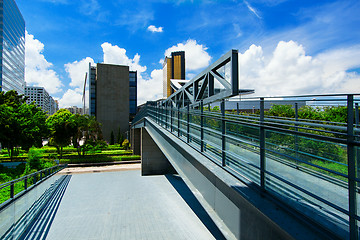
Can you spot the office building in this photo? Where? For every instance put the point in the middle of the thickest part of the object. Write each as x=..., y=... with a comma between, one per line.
x=173, y=68
x=42, y=99
x=112, y=97
x=12, y=37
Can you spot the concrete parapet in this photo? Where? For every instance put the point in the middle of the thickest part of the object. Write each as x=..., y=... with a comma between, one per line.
x=153, y=161
x=136, y=140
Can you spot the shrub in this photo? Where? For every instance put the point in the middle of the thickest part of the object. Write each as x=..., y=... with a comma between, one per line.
x=126, y=144
x=4, y=178
x=34, y=159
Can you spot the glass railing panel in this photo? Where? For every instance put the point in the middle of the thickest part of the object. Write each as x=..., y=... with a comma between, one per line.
x=306, y=173
x=321, y=213
x=16, y=215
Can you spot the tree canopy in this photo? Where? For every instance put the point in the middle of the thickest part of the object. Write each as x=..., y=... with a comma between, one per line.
x=21, y=124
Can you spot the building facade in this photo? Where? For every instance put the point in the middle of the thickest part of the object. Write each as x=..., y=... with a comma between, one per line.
x=132, y=94
x=76, y=110
x=42, y=99
x=112, y=97
x=12, y=37
x=173, y=68
x=54, y=106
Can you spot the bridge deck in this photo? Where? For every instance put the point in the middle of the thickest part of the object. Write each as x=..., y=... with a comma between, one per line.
x=125, y=205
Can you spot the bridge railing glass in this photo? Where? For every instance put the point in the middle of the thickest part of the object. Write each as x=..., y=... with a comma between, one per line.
x=307, y=158
x=22, y=206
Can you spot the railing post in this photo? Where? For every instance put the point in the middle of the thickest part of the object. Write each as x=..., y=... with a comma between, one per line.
x=357, y=115
x=296, y=129
x=237, y=109
x=201, y=126
x=25, y=183
x=166, y=117
x=262, y=146
x=223, y=143
x=188, y=123
x=157, y=112
x=178, y=117
x=12, y=190
x=171, y=118
x=357, y=152
x=351, y=168
x=34, y=179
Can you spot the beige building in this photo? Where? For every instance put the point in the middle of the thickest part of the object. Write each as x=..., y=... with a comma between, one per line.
x=173, y=68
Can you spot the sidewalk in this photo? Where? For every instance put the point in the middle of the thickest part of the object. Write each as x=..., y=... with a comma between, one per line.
x=110, y=168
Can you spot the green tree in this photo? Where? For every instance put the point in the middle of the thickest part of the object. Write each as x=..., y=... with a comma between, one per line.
x=21, y=124
x=282, y=111
x=33, y=126
x=120, y=137
x=87, y=130
x=61, y=129
x=112, y=138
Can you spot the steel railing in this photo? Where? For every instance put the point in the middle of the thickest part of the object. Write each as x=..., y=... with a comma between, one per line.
x=25, y=183
x=321, y=156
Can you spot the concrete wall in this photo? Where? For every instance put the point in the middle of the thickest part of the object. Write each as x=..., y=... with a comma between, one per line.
x=135, y=140
x=153, y=161
x=112, y=98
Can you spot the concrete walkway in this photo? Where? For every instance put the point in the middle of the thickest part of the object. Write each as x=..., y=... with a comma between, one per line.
x=125, y=205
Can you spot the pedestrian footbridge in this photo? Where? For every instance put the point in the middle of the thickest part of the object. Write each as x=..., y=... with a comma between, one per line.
x=259, y=177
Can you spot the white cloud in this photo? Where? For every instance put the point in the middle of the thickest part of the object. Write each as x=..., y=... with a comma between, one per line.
x=196, y=56
x=289, y=71
x=150, y=89
x=117, y=55
x=77, y=71
x=72, y=97
x=38, y=70
x=152, y=28
x=252, y=9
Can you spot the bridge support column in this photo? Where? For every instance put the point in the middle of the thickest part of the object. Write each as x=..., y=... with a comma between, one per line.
x=135, y=140
x=153, y=161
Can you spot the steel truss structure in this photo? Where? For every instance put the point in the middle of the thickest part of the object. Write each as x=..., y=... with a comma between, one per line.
x=219, y=81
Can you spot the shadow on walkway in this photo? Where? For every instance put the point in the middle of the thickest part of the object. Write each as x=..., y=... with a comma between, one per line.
x=40, y=226
x=180, y=186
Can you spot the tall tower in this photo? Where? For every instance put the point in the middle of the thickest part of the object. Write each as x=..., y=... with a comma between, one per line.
x=12, y=47
x=173, y=68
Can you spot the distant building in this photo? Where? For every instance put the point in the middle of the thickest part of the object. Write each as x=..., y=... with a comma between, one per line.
x=112, y=97
x=42, y=99
x=173, y=68
x=77, y=110
x=12, y=37
x=54, y=106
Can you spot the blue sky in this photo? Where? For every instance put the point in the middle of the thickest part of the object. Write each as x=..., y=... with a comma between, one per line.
x=286, y=46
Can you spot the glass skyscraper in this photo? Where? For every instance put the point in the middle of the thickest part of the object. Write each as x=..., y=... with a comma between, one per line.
x=12, y=34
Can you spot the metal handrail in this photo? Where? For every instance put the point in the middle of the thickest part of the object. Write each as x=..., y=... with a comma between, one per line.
x=176, y=120
x=43, y=174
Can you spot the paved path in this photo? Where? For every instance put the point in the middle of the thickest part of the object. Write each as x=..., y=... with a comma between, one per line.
x=125, y=205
